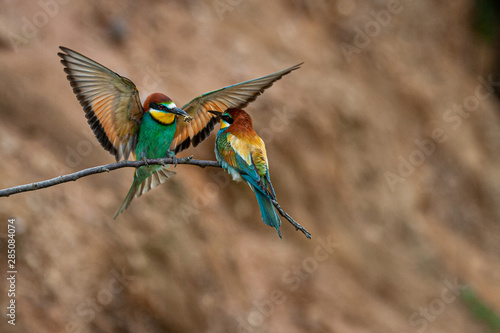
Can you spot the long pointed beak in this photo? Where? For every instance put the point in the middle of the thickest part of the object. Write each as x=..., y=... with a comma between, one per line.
x=182, y=113
x=216, y=113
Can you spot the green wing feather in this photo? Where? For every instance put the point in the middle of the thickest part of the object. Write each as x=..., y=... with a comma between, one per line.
x=248, y=159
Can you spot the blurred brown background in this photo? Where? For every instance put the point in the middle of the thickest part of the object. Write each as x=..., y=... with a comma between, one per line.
x=385, y=145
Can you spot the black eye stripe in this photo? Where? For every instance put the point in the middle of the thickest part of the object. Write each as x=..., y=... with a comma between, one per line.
x=158, y=106
x=227, y=119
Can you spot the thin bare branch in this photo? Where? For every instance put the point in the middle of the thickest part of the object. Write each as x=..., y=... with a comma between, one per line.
x=290, y=219
x=131, y=164
x=102, y=168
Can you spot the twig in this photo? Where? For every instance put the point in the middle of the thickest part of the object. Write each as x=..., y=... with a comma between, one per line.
x=102, y=168
x=290, y=219
x=131, y=164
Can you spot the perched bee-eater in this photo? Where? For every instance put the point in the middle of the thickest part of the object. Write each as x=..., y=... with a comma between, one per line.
x=123, y=126
x=242, y=153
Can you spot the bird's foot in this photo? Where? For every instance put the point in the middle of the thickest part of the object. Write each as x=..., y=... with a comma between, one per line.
x=174, y=159
x=145, y=161
x=171, y=154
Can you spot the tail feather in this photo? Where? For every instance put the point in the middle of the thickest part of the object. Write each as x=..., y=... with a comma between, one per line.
x=130, y=195
x=157, y=178
x=146, y=178
x=267, y=211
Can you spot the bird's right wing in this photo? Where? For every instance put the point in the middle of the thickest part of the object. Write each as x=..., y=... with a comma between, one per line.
x=111, y=102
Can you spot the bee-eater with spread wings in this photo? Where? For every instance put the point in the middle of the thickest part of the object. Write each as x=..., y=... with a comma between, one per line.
x=123, y=126
x=242, y=153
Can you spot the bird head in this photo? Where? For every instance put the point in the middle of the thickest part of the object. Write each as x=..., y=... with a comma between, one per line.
x=163, y=109
x=228, y=117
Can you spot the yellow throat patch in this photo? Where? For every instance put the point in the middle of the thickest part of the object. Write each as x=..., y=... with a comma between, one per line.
x=223, y=124
x=164, y=118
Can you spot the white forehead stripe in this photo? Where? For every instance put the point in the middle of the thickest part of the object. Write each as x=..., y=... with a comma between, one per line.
x=171, y=105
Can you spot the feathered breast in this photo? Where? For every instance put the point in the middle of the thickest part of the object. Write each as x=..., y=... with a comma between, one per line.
x=251, y=148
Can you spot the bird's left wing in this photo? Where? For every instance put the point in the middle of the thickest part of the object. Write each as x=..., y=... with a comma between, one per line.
x=234, y=96
x=111, y=102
